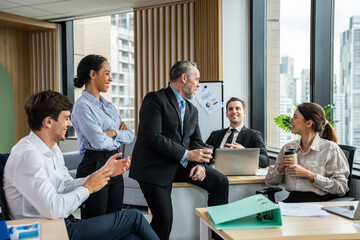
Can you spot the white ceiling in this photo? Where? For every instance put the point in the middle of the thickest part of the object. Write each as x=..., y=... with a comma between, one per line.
x=60, y=10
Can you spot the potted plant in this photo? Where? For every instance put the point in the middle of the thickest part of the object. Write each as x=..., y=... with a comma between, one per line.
x=283, y=121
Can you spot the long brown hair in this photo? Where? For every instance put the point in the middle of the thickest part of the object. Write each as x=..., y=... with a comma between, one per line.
x=314, y=112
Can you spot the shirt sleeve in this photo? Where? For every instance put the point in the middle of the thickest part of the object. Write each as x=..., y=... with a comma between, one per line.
x=69, y=182
x=274, y=177
x=124, y=136
x=336, y=173
x=91, y=129
x=34, y=183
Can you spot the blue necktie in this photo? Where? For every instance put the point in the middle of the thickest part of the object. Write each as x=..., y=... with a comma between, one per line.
x=182, y=114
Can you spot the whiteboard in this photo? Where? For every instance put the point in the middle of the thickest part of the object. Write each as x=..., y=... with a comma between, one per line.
x=209, y=123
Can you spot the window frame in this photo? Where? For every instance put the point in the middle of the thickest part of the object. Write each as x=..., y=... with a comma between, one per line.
x=321, y=58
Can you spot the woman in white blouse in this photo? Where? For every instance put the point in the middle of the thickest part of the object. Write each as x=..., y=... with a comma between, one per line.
x=322, y=170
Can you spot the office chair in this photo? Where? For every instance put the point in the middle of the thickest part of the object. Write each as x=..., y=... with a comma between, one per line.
x=349, y=152
x=4, y=207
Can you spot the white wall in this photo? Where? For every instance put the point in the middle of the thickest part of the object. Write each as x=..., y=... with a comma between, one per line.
x=236, y=47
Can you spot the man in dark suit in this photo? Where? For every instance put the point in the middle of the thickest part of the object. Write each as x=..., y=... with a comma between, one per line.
x=169, y=148
x=237, y=135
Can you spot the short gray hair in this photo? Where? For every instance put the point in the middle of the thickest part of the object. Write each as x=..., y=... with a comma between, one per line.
x=179, y=68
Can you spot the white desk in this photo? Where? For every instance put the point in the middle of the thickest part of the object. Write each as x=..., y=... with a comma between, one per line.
x=186, y=197
x=294, y=228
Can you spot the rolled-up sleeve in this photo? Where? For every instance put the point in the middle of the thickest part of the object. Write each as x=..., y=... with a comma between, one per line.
x=334, y=180
x=274, y=177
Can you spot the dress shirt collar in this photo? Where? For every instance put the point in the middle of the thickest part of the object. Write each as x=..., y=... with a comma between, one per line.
x=42, y=147
x=315, y=145
x=179, y=98
x=238, y=129
x=94, y=100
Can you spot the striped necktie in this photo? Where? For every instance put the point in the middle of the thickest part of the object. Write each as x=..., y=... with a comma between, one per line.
x=182, y=114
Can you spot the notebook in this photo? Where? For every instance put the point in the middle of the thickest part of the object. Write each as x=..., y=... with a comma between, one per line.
x=350, y=211
x=237, y=162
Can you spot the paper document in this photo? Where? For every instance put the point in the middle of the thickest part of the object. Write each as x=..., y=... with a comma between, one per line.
x=302, y=210
x=261, y=172
x=208, y=100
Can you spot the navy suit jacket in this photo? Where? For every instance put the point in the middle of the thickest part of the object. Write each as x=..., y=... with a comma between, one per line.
x=249, y=138
x=160, y=145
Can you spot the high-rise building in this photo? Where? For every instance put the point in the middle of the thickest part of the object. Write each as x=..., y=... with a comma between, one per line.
x=122, y=66
x=272, y=75
x=305, y=85
x=350, y=77
x=112, y=37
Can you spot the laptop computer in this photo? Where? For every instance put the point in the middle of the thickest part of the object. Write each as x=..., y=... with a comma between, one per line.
x=350, y=211
x=237, y=162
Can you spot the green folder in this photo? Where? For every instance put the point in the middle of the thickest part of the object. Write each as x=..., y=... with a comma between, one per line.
x=253, y=212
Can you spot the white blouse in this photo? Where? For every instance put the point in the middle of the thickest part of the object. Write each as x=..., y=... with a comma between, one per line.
x=325, y=158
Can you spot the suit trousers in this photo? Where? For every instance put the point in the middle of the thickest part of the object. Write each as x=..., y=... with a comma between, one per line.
x=127, y=225
x=110, y=198
x=159, y=197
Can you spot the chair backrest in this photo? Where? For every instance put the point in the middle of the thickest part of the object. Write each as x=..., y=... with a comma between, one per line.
x=349, y=152
x=4, y=207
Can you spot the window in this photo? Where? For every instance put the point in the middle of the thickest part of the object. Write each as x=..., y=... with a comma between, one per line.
x=346, y=75
x=111, y=37
x=288, y=63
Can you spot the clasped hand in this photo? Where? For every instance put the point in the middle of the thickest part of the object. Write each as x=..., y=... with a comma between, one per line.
x=199, y=155
x=233, y=145
x=294, y=170
x=198, y=173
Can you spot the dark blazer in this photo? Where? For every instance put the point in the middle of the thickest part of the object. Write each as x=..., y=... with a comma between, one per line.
x=249, y=138
x=160, y=145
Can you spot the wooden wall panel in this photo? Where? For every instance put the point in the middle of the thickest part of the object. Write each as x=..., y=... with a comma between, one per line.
x=160, y=41
x=43, y=54
x=165, y=34
x=208, y=39
x=14, y=51
x=29, y=55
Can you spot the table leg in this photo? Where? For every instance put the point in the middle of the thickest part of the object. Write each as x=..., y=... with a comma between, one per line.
x=204, y=231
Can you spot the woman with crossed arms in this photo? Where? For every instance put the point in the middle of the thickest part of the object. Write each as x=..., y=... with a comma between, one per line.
x=322, y=170
x=100, y=133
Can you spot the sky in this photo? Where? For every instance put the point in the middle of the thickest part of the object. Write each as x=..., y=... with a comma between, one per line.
x=295, y=30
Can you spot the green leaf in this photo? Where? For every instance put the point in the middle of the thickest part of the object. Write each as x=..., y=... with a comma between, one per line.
x=283, y=121
x=328, y=108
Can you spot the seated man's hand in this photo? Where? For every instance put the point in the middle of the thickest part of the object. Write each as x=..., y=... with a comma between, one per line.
x=98, y=180
x=233, y=145
x=198, y=173
x=199, y=155
x=117, y=166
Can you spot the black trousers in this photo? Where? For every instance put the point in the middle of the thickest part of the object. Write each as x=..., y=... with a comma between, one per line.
x=159, y=198
x=110, y=198
x=127, y=224
x=296, y=196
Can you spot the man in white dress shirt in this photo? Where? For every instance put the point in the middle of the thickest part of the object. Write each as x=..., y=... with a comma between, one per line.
x=37, y=183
